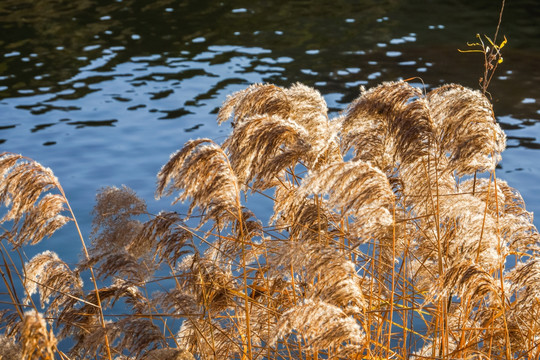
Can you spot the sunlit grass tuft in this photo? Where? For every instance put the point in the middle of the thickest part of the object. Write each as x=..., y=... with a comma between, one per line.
x=390, y=237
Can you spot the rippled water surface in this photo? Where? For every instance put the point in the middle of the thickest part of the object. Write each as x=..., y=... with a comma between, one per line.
x=103, y=91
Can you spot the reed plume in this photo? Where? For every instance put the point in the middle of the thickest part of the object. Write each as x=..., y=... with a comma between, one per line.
x=467, y=132
x=9, y=350
x=275, y=129
x=33, y=216
x=216, y=194
x=37, y=341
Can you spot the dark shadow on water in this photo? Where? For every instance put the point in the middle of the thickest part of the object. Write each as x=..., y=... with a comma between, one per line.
x=92, y=123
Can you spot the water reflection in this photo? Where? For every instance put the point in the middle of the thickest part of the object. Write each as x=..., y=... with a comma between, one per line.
x=60, y=54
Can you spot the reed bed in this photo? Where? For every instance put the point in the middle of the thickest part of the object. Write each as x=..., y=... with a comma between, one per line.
x=391, y=237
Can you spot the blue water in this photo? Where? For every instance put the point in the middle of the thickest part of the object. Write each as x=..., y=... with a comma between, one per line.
x=102, y=92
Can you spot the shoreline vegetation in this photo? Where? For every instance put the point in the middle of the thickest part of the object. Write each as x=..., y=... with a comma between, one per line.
x=391, y=237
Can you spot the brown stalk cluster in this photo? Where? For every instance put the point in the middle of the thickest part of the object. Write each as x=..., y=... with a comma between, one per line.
x=391, y=237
